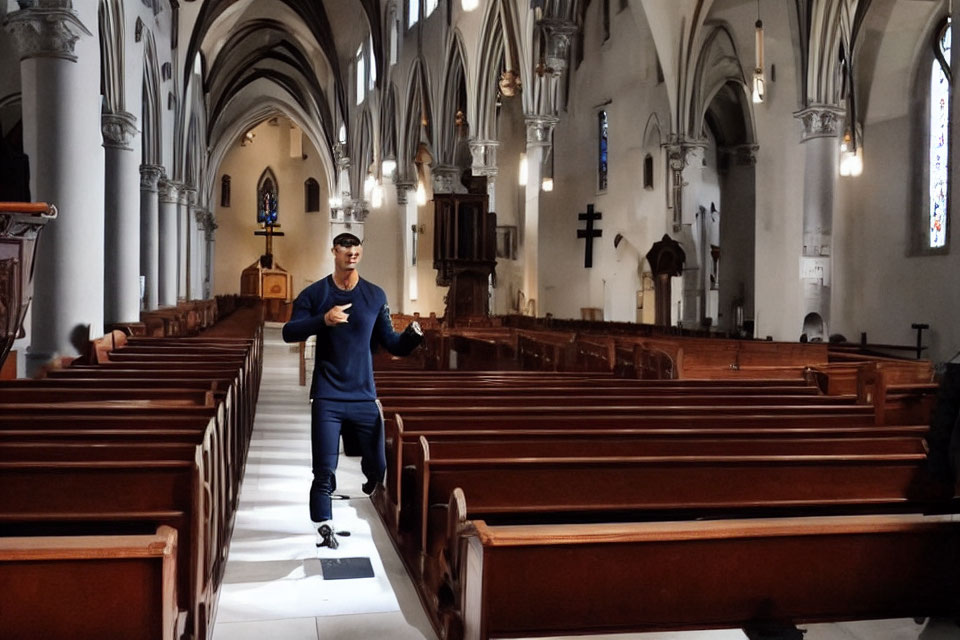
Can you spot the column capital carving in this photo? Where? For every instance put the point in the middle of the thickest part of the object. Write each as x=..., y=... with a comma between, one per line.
x=150, y=175
x=446, y=179
x=820, y=121
x=118, y=130
x=484, y=154
x=188, y=195
x=169, y=191
x=540, y=129
x=559, y=34
x=404, y=187
x=684, y=152
x=46, y=29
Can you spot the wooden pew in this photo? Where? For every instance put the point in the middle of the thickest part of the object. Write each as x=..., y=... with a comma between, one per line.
x=596, y=578
x=90, y=587
x=63, y=487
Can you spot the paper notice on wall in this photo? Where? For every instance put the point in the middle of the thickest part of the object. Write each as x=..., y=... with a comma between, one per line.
x=815, y=268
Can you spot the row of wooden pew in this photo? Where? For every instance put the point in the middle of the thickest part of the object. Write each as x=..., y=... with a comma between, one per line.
x=548, y=503
x=119, y=480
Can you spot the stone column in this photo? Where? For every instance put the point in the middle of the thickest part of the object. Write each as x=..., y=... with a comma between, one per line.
x=197, y=253
x=61, y=136
x=184, y=206
x=409, y=231
x=121, y=276
x=167, y=232
x=150, y=234
x=821, y=130
x=539, y=135
x=209, y=227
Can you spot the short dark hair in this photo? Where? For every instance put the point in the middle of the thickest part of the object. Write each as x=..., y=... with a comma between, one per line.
x=346, y=240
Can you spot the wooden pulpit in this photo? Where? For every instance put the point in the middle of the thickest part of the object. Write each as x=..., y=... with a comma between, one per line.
x=266, y=279
x=20, y=226
x=464, y=253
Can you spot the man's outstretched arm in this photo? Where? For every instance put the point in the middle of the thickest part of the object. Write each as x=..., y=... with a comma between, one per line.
x=398, y=344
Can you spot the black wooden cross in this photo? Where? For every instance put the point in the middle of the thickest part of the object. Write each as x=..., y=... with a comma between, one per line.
x=589, y=234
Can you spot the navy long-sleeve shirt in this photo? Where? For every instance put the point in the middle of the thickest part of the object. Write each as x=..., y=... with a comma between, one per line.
x=344, y=355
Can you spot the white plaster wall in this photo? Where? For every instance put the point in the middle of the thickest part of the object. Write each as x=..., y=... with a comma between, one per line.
x=304, y=250
x=623, y=72
x=880, y=287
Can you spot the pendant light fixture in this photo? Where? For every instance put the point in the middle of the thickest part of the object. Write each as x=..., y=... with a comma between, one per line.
x=759, y=83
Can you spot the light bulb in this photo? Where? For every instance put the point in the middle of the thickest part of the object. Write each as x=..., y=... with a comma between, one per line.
x=759, y=86
x=421, y=195
x=523, y=170
x=547, y=184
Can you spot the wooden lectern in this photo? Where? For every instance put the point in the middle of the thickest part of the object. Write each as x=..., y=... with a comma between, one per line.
x=268, y=280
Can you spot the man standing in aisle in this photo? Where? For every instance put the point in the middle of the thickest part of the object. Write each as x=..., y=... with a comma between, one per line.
x=350, y=317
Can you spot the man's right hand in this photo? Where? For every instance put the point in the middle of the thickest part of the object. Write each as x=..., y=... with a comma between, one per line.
x=337, y=315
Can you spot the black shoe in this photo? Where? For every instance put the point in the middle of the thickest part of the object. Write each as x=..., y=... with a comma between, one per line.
x=326, y=537
x=369, y=487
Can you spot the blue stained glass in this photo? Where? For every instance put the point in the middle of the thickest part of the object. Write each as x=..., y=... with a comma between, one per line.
x=939, y=147
x=267, y=204
x=602, y=155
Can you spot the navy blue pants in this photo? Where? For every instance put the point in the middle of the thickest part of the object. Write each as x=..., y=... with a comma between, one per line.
x=363, y=422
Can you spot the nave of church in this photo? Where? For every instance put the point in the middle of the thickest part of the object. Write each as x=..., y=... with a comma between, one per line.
x=656, y=190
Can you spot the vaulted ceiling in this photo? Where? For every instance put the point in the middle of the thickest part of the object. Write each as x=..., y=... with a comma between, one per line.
x=286, y=52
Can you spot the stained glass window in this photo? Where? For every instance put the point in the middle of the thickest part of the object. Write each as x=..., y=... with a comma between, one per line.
x=939, y=142
x=267, y=199
x=602, y=152
x=361, y=75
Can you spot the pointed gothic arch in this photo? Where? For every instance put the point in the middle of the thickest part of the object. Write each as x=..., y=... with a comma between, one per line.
x=151, y=111
x=454, y=106
x=418, y=121
x=362, y=151
x=499, y=52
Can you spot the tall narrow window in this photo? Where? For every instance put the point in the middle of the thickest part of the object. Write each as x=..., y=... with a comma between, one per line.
x=648, y=172
x=373, y=66
x=361, y=76
x=413, y=12
x=394, y=37
x=605, y=19
x=429, y=6
x=602, y=151
x=267, y=198
x=225, y=191
x=939, y=186
x=311, y=195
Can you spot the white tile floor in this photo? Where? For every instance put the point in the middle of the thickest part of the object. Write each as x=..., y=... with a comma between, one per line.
x=274, y=588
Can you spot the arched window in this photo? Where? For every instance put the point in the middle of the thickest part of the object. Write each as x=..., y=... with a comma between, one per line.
x=648, y=172
x=361, y=75
x=429, y=6
x=413, y=12
x=225, y=191
x=267, y=198
x=938, y=186
x=311, y=195
x=602, y=168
